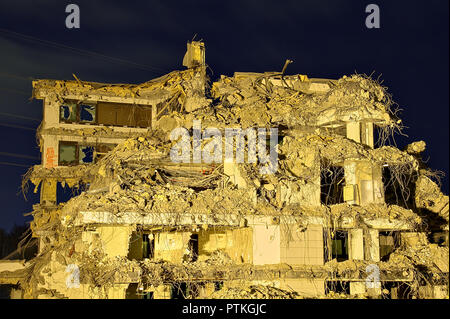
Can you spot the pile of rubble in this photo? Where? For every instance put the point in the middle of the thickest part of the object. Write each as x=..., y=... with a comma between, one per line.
x=139, y=177
x=254, y=292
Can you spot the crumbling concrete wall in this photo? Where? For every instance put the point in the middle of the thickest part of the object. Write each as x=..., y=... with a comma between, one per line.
x=269, y=235
x=171, y=246
x=115, y=239
x=307, y=287
x=236, y=243
x=302, y=247
x=266, y=244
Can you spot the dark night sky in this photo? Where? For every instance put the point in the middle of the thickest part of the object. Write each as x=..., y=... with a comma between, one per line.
x=324, y=38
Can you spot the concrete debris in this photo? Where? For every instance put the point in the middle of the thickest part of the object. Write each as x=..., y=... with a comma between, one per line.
x=254, y=292
x=339, y=208
x=416, y=147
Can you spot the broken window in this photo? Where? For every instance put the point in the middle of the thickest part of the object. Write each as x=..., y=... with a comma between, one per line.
x=73, y=112
x=389, y=241
x=68, y=112
x=86, y=154
x=68, y=154
x=72, y=153
x=87, y=113
x=337, y=286
x=332, y=182
x=339, y=245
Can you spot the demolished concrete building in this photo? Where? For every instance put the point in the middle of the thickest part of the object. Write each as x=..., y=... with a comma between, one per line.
x=345, y=215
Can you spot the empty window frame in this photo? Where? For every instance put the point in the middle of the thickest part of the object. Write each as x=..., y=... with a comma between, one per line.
x=131, y=292
x=337, y=286
x=141, y=246
x=185, y=290
x=131, y=115
x=380, y=136
x=192, y=249
x=339, y=245
x=396, y=290
x=389, y=241
x=332, y=180
x=64, y=193
x=399, y=187
x=148, y=246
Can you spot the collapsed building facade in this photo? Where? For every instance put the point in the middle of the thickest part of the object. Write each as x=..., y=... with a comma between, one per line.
x=344, y=215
